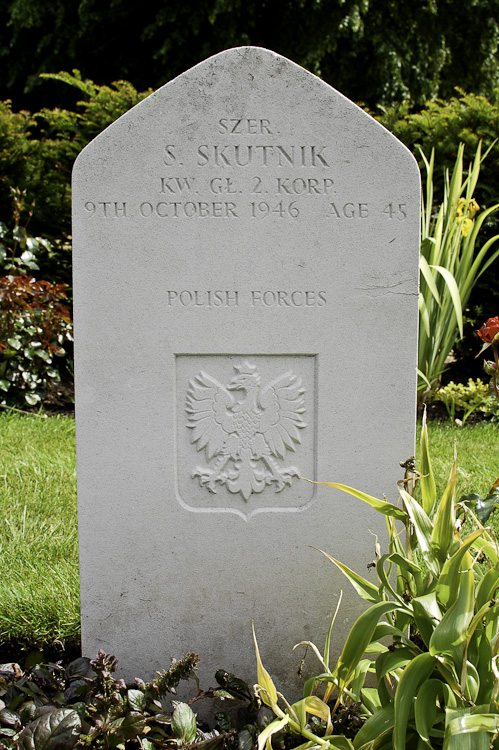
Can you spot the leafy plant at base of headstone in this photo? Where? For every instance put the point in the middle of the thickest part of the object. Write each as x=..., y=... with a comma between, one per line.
x=438, y=679
x=51, y=707
x=449, y=266
x=299, y=719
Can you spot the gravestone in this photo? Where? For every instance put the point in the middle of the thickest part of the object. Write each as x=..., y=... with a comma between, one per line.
x=246, y=245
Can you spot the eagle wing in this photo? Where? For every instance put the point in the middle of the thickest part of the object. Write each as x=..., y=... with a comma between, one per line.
x=283, y=405
x=207, y=405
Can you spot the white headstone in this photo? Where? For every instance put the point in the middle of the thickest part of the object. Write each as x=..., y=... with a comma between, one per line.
x=246, y=245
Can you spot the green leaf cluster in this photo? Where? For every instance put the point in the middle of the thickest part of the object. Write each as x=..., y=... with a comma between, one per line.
x=467, y=398
x=437, y=682
x=51, y=707
x=440, y=125
x=35, y=320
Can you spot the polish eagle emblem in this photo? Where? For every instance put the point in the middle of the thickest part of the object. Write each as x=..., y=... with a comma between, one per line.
x=245, y=429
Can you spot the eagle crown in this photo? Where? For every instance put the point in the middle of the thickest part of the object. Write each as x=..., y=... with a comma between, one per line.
x=247, y=379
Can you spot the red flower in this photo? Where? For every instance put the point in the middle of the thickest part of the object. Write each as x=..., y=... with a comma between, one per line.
x=489, y=330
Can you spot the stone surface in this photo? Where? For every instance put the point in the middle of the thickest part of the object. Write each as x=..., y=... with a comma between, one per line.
x=245, y=284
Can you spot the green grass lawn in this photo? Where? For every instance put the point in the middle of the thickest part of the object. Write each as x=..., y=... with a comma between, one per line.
x=39, y=596
x=39, y=600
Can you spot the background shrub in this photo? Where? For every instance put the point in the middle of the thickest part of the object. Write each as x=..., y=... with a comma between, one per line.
x=35, y=322
x=443, y=125
x=37, y=154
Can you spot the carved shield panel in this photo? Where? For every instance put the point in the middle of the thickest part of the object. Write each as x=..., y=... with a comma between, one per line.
x=245, y=432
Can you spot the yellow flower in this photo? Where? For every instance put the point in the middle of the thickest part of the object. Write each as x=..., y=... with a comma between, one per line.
x=466, y=227
x=473, y=208
x=470, y=208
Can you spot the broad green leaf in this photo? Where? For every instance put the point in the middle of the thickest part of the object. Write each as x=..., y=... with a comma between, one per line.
x=487, y=587
x=454, y=293
x=455, y=186
x=132, y=724
x=414, y=675
x=383, y=576
x=423, y=528
x=488, y=548
x=32, y=398
x=56, y=730
x=338, y=742
x=484, y=668
x=309, y=686
x=184, y=723
x=358, y=639
x=404, y=563
x=470, y=682
x=312, y=704
x=270, y=729
x=478, y=618
x=298, y=713
x=370, y=699
x=428, y=277
x=386, y=629
x=136, y=699
x=269, y=693
x=485, y=506
x=452, y=629
x=426, y=711
x=303, y=746
x=375, y=727
x=422, y=375
x=424, y=318
x=43, y=354
x=359, y=677
x=382, y=506
x=448, y=580
x=364, y=588
x=469, y=731
x=392, y=660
